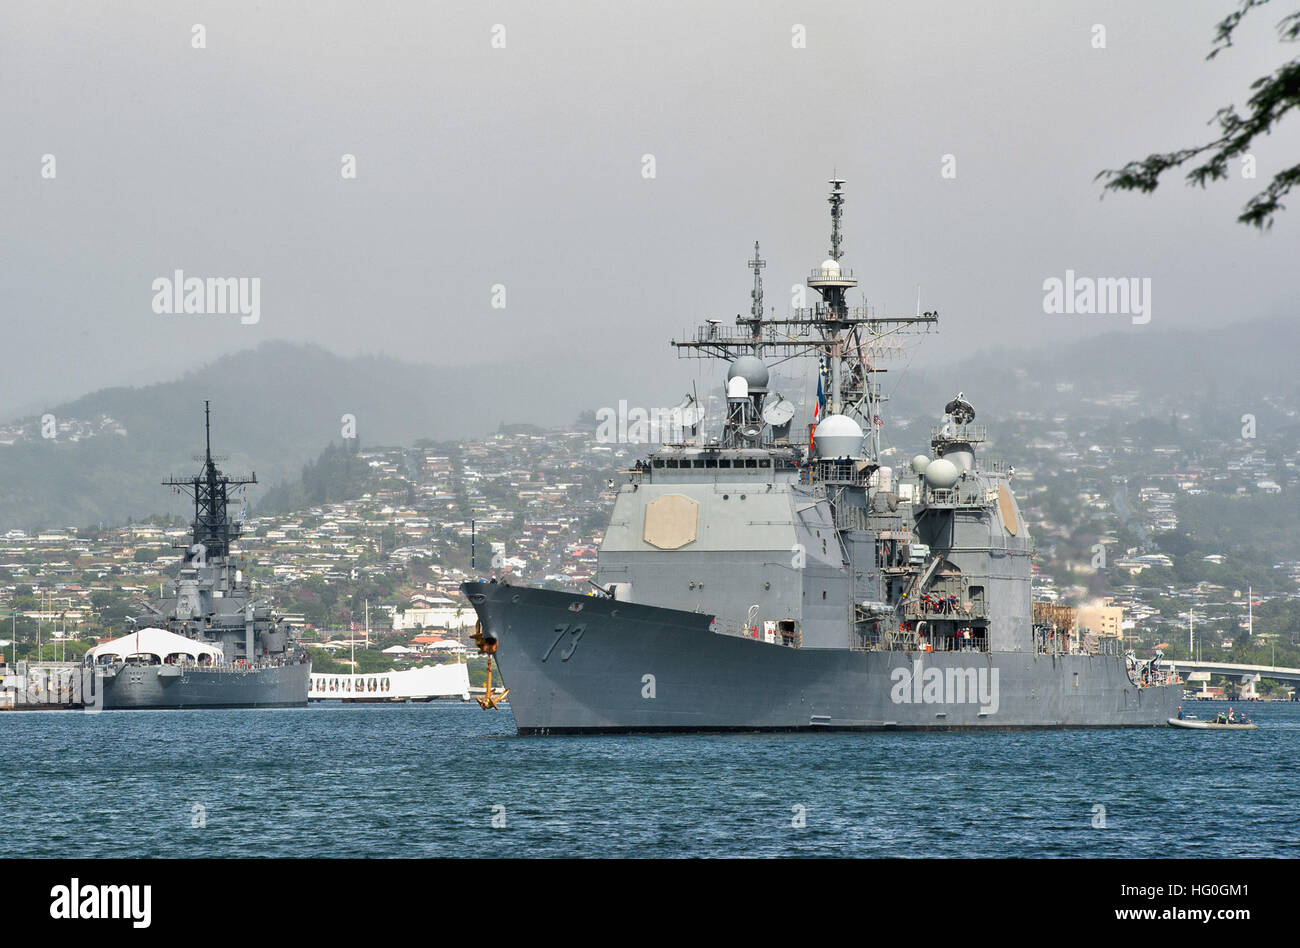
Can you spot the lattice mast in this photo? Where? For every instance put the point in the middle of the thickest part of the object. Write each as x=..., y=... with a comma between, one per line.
x=846, y=336
x=212, y=528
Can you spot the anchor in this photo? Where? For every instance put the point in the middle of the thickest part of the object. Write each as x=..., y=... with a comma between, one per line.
x=491, y=699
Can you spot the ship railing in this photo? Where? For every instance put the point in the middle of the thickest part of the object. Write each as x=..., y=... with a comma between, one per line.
x=713, y=332
x=901, y=640
x=953, y=497
x=840, y=471
x=854, y=314
x=744, y=629
x=945, y=607
x=952, y=643
x=737, y=627
x=1049, y=641
x=826, y=273
x=967, y=434
x=230, y=667
x=1161, y=676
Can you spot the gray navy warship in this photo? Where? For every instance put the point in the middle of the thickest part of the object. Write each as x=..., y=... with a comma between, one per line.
x=207, y=641
x=751, y=582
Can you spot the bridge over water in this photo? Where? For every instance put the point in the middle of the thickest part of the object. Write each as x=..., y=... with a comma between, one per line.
x=1273, y=672
x=1249, y=674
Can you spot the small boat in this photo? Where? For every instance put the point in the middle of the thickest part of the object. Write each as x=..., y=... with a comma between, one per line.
x=1196, y=725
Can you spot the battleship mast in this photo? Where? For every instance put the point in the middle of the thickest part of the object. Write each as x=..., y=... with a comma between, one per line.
x=213, y=529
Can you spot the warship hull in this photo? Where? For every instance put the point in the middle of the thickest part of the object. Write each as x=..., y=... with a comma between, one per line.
x=580, y=664
x=158, y=687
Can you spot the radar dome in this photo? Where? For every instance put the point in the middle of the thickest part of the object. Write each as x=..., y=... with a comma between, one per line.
x=752, y=369
x=941, y=473
x=838, y=436
x=919, y=463
x=831, y=267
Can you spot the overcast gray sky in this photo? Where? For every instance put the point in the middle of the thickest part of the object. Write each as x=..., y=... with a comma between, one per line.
x=523, y=166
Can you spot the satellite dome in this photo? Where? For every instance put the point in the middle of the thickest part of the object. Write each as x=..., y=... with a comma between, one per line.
x=941, y=473
x=919, y=463
x=830, y=267
x=752, y=369
x=838, y=436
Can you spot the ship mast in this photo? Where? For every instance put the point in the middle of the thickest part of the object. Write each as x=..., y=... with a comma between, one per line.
x=836, y=201
x=213, y=530
x=848, y=337
x=756, y=306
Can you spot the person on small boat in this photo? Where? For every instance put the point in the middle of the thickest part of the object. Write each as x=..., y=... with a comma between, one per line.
x=1231, y=717
x=1180, y=712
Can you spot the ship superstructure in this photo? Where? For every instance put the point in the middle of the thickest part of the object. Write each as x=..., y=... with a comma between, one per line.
x=753, y=581
x=208, y=640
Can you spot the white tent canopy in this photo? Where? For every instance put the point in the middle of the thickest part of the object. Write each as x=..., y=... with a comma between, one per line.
x=156, y=642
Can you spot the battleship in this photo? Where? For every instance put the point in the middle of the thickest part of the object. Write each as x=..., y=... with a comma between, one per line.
x=207, y=641
x=748, y=581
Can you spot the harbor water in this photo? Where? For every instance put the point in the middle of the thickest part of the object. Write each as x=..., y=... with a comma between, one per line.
x=449, y=780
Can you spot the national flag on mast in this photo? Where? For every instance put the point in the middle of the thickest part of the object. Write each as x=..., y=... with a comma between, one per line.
x=820, y=403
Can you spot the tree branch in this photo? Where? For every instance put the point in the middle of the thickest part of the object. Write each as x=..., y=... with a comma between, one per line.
x=1274, y=96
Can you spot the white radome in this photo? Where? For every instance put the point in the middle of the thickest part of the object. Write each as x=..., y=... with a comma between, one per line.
x=919, y=463
x=830, y=267
x=752, y=370
x=838, y=436
x=941, y=473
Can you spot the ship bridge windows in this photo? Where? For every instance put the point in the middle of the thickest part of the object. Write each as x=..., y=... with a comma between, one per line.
x=712, y=463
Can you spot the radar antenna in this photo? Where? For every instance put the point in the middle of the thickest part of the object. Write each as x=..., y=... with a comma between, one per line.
x=213, y=530
x=756, y=308
x=852, y=339
x=837, y=209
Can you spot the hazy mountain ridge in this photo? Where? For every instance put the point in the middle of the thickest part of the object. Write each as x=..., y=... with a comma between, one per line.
x=272, y=410
x=276, y=406
x=1216, y=375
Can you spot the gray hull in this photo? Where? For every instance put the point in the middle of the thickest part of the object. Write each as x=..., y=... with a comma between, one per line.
x=584, y=664
x=159, y=687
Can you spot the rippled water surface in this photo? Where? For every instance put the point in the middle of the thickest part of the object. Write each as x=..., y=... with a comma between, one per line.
x=427, y=780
